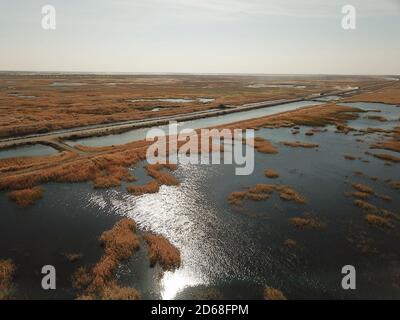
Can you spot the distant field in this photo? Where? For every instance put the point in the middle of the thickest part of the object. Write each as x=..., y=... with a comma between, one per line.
x=38, y=103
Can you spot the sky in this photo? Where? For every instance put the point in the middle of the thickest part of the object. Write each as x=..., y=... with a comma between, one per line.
x=201, y=36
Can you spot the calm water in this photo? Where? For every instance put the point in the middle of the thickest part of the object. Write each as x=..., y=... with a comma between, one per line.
x=390, y=112
x=329, y=98
x=28, y=151
x=174, y=100
x=233, y=253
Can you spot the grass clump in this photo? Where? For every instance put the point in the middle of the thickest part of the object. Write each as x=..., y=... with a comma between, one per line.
x=363, y=188
x=150, y=187
x=379, y=221
x=259, y=192
x=264, y=146
x=154, y=171
x=236, y=197
x=395, y=185
x=393, y=145
x=112, y=177
x=273, y=294
x=310, y=133
x=26, y=197
x=262, y=188
x=81, y=278
x=366, y=205
x=73, y=257
x=349, y=157
x=269, y=173
x=114, y=292
x=387, y=157
x=377, y=118
x=307, y=221
x=161, y=251
x=7, y=270
x=359, y=195
x=289, y=194
x=263, y=191
x=299, y=144
x=384, y=197
x=121, y=241
x=377, y=216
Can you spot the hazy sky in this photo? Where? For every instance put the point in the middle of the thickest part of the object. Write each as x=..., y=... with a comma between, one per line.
x=201, y=36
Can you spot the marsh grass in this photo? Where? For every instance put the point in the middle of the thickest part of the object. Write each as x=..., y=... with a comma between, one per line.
x=26, y=197
x=150, y=187
x=81, y=278
x=366, y=206
x=161, y=251
x=389, y=95
x=7, y=270
x=99, y=103
x=235, y=197
x=119, y=244
x=384, y=197
x=313, y=116
x=9, y=165
x=363, y=188
x=393, y=145
x=387, y=157
x=310, y=132
x=298, y=144
x=289, y=194
x=349, y=157
x=307, y=221
x=73, y=257
x=379, y=221
x=273, y=294
x=377, y=118
x=112, y=177
x=358, y=195
x=115, y=292
x=264, y=146
x=395, y=185
x=378, y=216
x=155, y=171
x=269, y=173
x=262, y=191
x=103, y=169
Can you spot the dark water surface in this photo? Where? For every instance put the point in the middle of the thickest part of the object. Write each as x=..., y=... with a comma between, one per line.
x=226, y=252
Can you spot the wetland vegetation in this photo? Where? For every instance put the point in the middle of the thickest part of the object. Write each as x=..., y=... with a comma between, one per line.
x=326, y=176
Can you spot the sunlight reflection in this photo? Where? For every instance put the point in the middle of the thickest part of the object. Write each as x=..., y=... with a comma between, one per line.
x=174, y=212
x=174, y=282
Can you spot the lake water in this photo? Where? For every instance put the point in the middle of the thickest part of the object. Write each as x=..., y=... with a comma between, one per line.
x=262, y=85
x=173, y=100
x=27, y=151
x=227, y=252
x=329, y=98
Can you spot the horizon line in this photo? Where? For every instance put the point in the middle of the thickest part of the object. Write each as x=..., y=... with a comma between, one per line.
x=196, y=73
